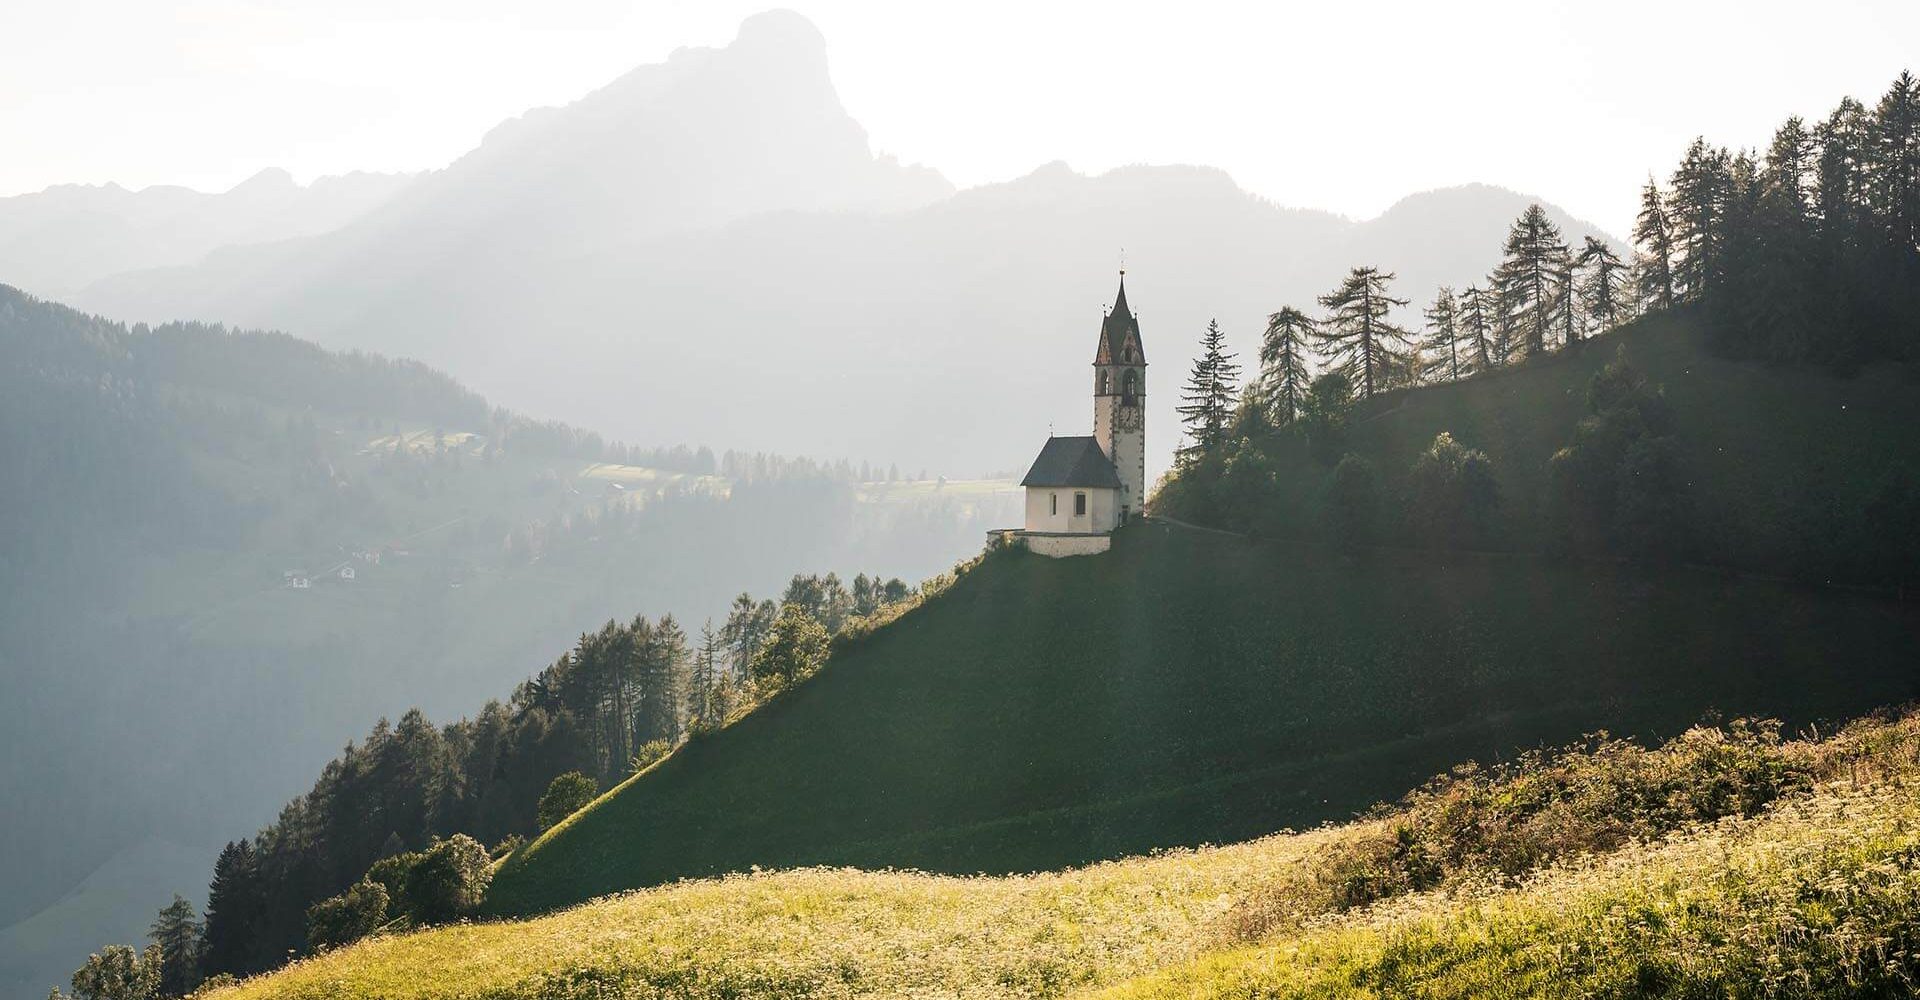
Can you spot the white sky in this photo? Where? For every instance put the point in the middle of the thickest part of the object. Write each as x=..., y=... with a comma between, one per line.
x=1345, y=106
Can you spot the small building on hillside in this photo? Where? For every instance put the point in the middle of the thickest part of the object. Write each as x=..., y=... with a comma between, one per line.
x=1080, y=489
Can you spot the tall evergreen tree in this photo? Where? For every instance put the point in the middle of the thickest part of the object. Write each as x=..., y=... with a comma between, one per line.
x=176, y=932
x=1283, y=367
x=1567, y=298
x=1840, y=189
x=1603, y=287
x=1526, y=285
x=1207, y=398
x=704, y=676
x=1475, y=326
x=1357, y=337
x=1443, y=338
x=235, y=907
x=1700, y=187
x=1653, y=234
x=1894, y=171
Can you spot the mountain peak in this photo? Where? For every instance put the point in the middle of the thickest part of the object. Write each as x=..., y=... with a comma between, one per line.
x=781, y=28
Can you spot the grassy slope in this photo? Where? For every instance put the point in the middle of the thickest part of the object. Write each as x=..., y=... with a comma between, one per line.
x=1817, y=896
x=1192, y=687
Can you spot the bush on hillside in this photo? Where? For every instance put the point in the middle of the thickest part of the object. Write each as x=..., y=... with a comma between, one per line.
x=796, y=648
x=1323, y=416
x=1620, y=486
x=565, y=795
x=1453, y=496
x=650, y=753
x=448, y=881
x=346, y=918
x=1353, y=503
x=1593, y=797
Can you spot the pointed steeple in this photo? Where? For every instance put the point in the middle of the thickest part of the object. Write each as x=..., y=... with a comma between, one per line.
x=1120, y=327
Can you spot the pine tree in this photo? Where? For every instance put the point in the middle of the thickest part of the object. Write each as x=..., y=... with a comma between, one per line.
x=1526, y=283
x=1474, y=325
x=704, y=677
x=1357, y=338
x=1700, y=186
x=1840, y=189
x=1894, y=170
x=176, y=932
x=1207, y=398
x=1444, y=335
x=1653, y=234
x=234, y=909
x=1566, y=295
x=1603, y=287
x=1283, y=367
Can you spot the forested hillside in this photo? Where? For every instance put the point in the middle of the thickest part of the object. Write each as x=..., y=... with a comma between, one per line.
x=182, y=502
x=1740, y=394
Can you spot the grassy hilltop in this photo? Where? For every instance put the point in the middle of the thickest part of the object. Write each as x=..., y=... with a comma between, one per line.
x=1194, y=687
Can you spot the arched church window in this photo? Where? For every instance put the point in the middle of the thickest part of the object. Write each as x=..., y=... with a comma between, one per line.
x=1129, y=385
x=1103, y=384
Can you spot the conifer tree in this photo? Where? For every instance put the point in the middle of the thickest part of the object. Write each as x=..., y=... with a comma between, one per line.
x=234, y=909
x=1653, y=234
x=1602, y=289
x=1474, y=325
x=1894, y=173
x=176, y=932
x=1283, y=367
x=1526, y=287
x=1444, y=335
x=1358, y=339
x=1700, y=187
x=1566, y=305
x=1840, y=189
x=1207, y=398
x=704, y=676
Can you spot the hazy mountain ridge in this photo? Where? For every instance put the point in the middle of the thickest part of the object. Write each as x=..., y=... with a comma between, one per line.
x=68, y=236
x=717, y=222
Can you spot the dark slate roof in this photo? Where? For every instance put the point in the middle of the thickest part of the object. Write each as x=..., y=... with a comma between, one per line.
x=1072, y=461
x=1114, y=331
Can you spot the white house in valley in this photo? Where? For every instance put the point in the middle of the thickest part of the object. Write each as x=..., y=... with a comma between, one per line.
x=1081, y=488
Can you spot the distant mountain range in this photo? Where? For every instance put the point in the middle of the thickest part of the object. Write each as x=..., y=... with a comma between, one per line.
x=67, y=237
x=707, y=249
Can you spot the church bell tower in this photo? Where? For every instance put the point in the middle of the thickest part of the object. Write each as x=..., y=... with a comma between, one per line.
x=1120, y=401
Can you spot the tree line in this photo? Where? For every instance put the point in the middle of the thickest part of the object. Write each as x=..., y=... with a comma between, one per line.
x=390, y=834
x=1805, y=253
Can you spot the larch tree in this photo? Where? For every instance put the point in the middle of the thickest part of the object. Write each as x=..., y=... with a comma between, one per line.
x=1473, y=310
x=176, y=932
x=1443, y=337
x=1653, y=235
x=1357, y=336
x=1283, y=366
x=1894, y=167
x=1700, y=186
x=1840, y=173
x=1526, y=285
x=1207, y=398
x=1603, y=284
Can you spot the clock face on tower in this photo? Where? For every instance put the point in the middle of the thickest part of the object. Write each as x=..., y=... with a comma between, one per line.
x=1128, y=418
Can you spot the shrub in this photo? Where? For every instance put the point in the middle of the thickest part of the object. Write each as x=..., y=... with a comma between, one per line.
x=1353, y=503
x=1453, y=494
x=565, y=795
x=795, y=648
x=348, y=917
x=1323, y=416
x=650, y=753
x=449, y=880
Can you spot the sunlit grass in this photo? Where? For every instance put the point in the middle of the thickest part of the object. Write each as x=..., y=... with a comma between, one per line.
x=1817, y=896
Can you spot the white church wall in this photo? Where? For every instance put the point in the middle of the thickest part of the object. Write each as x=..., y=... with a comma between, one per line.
x=1051, y=509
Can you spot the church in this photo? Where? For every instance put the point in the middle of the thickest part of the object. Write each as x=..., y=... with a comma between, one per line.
x=1081, y=488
